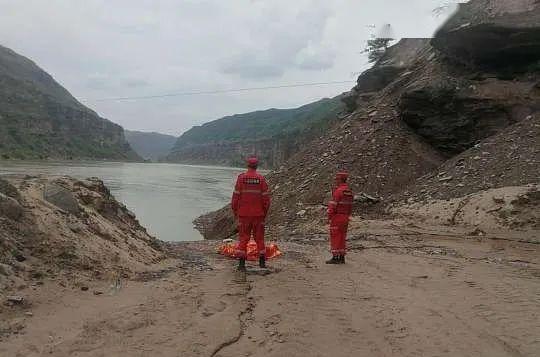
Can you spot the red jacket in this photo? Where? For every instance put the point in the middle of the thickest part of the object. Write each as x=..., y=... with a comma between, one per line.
x=342, y=201
x=251, y=197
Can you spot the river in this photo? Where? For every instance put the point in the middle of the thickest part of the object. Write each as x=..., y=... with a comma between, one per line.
x=165, y=197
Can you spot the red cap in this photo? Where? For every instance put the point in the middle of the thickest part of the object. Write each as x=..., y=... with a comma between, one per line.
x=252, y=160
x=342, y=176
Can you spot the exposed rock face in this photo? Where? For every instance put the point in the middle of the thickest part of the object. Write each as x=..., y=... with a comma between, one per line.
x=217, y=225
x=493, y=34
x=40, y=119
x=395, y=61
x=453, y=114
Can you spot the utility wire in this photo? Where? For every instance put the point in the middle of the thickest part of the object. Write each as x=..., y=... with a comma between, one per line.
x=217, y=91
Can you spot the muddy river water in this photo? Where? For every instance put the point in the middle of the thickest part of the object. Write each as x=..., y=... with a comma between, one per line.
x=165, y=197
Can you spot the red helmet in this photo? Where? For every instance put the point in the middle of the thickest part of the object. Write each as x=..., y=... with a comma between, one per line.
x=342, y=176
x=252, y=161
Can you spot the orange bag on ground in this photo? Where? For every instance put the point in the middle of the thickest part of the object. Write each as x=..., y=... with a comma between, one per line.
x=229, y=250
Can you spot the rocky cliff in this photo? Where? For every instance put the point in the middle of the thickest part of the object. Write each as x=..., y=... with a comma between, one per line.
x=495, y=35
x=40, y=119
x=431, y=120
x=274, y=135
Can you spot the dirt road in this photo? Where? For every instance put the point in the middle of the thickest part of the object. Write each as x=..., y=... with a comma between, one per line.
x=398, y=295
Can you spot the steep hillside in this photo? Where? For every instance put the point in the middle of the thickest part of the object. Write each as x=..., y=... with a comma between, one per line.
x=150, y=146
x=423, y=125
x=510, y=158
x=272, y=134
x=39, y=118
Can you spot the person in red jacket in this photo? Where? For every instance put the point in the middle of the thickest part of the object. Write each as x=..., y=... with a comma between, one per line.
x=339, y=212
x=250, y=204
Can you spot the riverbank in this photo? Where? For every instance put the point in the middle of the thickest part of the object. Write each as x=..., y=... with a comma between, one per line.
x=405, y=291
x=67, y=230
x=165, y=197
x=81, y=277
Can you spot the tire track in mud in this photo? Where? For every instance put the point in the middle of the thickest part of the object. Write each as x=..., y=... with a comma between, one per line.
x=511, y=314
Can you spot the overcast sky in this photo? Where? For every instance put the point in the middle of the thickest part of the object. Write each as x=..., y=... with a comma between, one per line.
x=106, y=49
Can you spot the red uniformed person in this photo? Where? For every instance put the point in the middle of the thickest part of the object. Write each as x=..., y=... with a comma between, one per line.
x=250, y=204
x=339, y=212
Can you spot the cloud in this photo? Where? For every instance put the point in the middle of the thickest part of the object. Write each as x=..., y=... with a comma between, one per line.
x=280, y=41
x=252, y=67
x=98, y=81
x=136, y=83
x=315, y=58
x=107, y=49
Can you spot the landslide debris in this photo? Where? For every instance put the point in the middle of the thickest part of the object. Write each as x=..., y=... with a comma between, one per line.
x=510, y=158
x=423, y=124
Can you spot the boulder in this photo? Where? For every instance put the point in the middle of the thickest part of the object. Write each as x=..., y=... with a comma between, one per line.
x=9, y=190
x=493, y=34
x=378, y=77
x=10, y=208
x=365, y=198
x=217, y=225
x=15, y=299
x=61, y=197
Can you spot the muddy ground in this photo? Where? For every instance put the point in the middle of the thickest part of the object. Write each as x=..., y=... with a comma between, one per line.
x=405, y=291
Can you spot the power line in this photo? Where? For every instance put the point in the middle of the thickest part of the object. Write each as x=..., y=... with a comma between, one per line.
x=179, y=94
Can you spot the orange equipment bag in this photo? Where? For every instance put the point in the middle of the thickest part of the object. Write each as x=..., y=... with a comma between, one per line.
x=229, y=250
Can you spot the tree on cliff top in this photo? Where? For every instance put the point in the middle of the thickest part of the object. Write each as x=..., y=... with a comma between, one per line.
x=376, y=47
x=378, y=44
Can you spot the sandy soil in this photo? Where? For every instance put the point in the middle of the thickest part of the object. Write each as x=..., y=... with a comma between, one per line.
x=403, y=292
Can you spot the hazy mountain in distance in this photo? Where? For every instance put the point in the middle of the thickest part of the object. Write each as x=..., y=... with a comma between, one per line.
x=150, y=145
x=39, y=119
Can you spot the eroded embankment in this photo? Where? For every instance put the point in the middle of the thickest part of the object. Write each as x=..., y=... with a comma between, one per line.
x=69, y=230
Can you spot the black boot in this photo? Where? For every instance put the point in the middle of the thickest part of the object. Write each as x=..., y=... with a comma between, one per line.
x=242, y=264
x=334, y=260
x=262, y=261
x=341, y=259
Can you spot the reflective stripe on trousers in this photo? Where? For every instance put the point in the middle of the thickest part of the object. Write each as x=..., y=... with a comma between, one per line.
x=248, y=226
x=338, y=234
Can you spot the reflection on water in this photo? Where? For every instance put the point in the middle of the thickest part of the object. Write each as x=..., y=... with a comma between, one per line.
x=165, y=197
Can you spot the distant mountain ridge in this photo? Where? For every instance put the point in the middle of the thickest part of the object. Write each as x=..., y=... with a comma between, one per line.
x=150, y=145
x=40, y=119
x=273, y=134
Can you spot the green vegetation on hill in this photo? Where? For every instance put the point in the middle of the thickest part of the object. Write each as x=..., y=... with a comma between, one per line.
x=40, y=119
x=262, y=124
x=273, y=134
